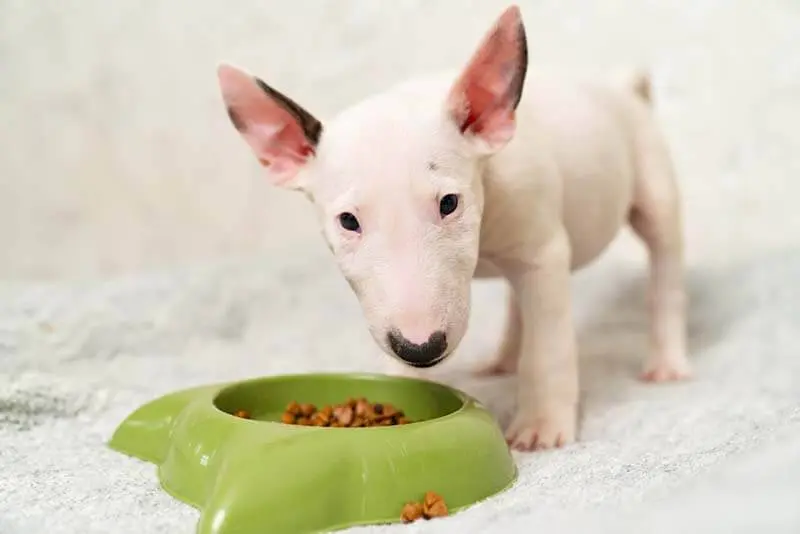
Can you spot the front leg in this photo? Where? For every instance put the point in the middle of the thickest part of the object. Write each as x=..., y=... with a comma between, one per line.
x=547, y=395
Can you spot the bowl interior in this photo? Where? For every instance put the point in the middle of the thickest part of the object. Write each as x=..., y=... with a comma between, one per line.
x=266, y=399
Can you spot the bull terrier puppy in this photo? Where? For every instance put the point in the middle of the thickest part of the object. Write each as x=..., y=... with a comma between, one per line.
x=484, y=172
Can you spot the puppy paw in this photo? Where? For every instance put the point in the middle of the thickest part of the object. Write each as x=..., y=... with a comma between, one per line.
x=666, y=370
x=538, y=430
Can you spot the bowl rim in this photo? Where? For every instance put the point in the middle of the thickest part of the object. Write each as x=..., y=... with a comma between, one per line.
x=465, y=400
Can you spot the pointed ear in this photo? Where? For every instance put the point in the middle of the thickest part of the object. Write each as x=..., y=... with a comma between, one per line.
x=281, y=134
x=484, y=98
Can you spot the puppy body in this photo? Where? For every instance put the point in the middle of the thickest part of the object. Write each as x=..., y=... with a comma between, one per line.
x=494, y=170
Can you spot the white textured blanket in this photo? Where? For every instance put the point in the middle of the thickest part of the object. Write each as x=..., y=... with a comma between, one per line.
x=733, y=432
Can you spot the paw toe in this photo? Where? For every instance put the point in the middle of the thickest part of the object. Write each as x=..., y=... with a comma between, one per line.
x=540, y=434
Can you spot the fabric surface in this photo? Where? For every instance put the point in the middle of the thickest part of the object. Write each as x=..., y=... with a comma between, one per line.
x=716, y=454
x=734, y=429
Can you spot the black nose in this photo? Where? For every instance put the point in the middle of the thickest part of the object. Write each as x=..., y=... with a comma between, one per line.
x=426, y=355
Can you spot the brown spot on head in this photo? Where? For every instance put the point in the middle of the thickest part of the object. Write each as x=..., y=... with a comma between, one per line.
x=432, y=166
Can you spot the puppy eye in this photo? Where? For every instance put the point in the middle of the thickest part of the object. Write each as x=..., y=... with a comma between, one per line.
x=349, y=222
x=448, y=205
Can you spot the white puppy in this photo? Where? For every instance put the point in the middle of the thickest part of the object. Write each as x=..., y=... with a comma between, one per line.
x=484, y=172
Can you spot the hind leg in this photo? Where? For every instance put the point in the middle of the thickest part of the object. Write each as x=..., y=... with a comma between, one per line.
x=656, y=219
x=506, y=359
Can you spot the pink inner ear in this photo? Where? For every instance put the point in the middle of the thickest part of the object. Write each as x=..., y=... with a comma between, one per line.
x=273, y=133
x=483, y=99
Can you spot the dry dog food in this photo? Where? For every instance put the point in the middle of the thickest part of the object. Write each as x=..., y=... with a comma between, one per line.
x=432, y=505
x=354, y=413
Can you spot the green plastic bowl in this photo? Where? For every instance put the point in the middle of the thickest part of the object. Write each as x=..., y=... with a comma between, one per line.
x=259, y=475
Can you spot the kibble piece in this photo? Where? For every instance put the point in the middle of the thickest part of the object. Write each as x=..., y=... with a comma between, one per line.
x=244, y=414
x=430, y=498
x=411, y=512
x=344, y=414
x=317, y=421
x=437, y=509
x=293, y=408
x=362, y=408
x=288, y=418
x=433, y=506
x=323, y=418
x=307, y=409
x=382, y=419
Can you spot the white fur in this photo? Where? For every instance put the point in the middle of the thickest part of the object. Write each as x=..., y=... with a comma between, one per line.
x=584, y=159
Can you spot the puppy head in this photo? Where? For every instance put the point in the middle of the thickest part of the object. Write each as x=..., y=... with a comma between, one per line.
x=396, y=182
